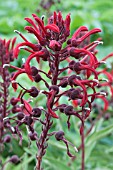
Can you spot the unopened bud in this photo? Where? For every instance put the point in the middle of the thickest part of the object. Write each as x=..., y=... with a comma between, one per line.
x=14, y=159
x=59, y=135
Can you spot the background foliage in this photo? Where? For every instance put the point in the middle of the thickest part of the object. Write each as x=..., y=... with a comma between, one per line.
x=99, y=144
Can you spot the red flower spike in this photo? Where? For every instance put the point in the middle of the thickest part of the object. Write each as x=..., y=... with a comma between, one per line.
x=109, y=76
x=17, y=74
x=33, y=31
x=106, y=103
x=82, y=28
x=108, y=56
x=60, y=16
x=90, y=69
x=84, y=100
x=95, y=30
x=67, y=22
x=32, y=23
x=52, y=27
x=54, y=17
x=16, y=50
x=27, y=63
x=13, y=42
x=8, y=44
x=40, y=23
x=77, y=50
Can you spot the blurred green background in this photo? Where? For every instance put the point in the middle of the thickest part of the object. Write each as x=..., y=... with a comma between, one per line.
x=99, y=144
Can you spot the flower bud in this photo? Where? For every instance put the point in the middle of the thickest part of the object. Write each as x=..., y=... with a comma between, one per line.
x=62, y=107
x=45, y=55
x=55, y=88
x=36, y=112
x=28, y=120
x=16, y=109
x=59, y=135
x=14, y=159
x=64, y=83
x=73, y=53
x=76, y=66
x=33, y=136
x=68, y=110
x=71, y=64
x=71, y=78
x=34, y=71
x=7, y=139
x=55, y=45
x=37, y=78
x=75, y=94
x=14, y=101
x=20, y=115
x=34, y=92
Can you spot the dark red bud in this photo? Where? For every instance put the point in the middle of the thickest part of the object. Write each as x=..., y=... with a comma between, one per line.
x=37, y=78
x=33, y=136
x=76, y=67
x=7, y=139
x=55, y=88
x=14, y=159
x=36, y=112
x=55, y=45
x=62, y=107
x=16, y=109
x=34, y=71
x=20, y=115
x=28, y=120
x=14, y=101
x=68, y=110
x=59, y=135
x=71, y=78
x=64, y=83
x=45, y=55
x=34, y=92
x=74, y=42
x=71, y=64
x=75, y=94
x=69, y=41
x=73, y=53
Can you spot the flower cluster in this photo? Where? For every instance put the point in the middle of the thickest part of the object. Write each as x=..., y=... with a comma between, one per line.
x=77, y=81
x=6, y=56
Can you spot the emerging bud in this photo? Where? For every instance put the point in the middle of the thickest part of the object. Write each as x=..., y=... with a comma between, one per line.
x=54, y=45
x=37, y=78
x=33, y=136
x=59, y=135
x=64, y=83
x=28, y=120
x=68, y=110
x=36, y=112
x=75, y=94
x=14, y=159
x=55, y=88
x=7, y=139
x=14, y=101
x=34, y=92
x=20, y=116
x=34, y=71
x=62, y=107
